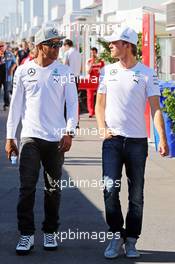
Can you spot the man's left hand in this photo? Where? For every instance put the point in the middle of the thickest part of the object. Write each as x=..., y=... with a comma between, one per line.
x=65, y=143
x=163, y=148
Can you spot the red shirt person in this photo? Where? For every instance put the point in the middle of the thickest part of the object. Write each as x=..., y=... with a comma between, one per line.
x=94, y=64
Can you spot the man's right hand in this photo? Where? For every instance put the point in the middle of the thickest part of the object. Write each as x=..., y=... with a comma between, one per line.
x=108, y=134
x=11, y=147
x=105, y=133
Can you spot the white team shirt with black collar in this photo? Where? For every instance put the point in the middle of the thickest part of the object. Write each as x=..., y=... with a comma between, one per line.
x=39, y=95
x=126, y=93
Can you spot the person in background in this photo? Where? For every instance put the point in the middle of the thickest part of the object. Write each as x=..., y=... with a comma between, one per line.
x=2, y=65
x=15, y=51
x=32, y=55
x=72, y=58
x=94, y=65
x=7, y=67
x=23, y=52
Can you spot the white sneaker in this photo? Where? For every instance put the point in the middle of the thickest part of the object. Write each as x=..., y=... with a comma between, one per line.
x=130, y=249
x=50, y=241
x=25, y=244
x=115, y=248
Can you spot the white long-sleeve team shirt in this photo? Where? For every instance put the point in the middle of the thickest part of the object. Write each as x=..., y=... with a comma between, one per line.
x=38, y=99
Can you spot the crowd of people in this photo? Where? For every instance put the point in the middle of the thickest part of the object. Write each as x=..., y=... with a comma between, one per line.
x=38, y=100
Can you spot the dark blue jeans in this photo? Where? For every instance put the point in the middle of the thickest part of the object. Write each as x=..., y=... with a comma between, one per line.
x=131, y=152
x=33, y=152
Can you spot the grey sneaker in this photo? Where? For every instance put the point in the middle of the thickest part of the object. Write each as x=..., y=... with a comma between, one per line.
x=115, y=248
x=50, y=241
x=25, y=244
x=130, y=249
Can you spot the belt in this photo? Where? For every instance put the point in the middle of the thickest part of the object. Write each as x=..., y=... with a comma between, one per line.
x=130, y=138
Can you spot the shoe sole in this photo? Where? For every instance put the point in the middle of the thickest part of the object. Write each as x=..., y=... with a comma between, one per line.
x=113, y=257
x=134, y=257
x=116, y=256
x=24, y=252
x=50, y=248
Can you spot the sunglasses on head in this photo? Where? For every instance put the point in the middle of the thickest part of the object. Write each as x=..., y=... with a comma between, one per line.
x=54, y=45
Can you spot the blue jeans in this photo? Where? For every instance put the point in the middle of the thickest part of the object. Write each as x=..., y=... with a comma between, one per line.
x=131, y=152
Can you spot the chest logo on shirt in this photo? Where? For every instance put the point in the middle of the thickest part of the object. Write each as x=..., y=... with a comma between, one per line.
x=55, y=72
x=31, y=71
x=113, y=71
x=136, y=76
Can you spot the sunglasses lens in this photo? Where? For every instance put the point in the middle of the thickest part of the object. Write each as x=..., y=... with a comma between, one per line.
x=53, y=44
x=61, y=44
x=57, y=45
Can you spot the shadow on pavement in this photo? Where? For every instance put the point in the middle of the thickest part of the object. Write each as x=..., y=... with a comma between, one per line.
x=157, y=256
x=86, y=161
x=78, y=214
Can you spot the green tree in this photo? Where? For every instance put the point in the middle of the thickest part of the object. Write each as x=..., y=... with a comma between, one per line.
x=106, y=54
x=169, y=106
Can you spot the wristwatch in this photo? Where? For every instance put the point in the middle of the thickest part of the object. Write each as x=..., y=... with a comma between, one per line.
x=71, y=133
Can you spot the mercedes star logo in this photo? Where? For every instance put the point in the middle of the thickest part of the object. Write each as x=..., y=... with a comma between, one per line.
x=113, y=71
x=31, y=71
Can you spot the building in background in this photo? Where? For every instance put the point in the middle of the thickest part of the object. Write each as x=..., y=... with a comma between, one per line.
x=24, y=10
x=36, y=16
